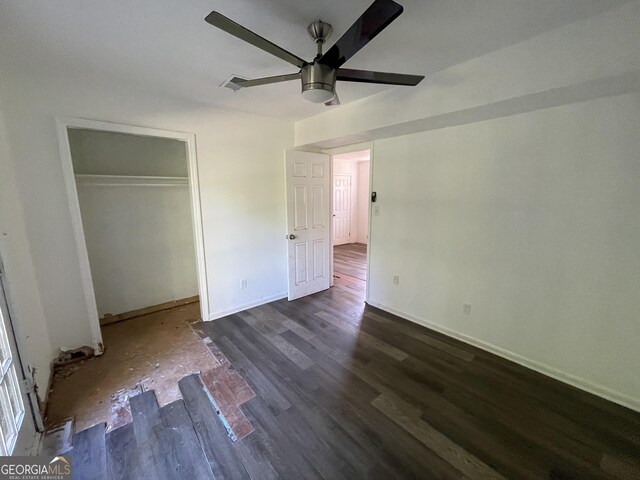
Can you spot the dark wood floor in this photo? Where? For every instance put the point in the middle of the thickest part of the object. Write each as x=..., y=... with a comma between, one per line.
x=349, y=391
x=344, y=391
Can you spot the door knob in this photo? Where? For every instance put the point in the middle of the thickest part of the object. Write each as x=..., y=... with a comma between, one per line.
x=292, y=237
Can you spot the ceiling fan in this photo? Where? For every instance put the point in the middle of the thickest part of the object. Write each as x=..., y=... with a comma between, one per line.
x=319, y=76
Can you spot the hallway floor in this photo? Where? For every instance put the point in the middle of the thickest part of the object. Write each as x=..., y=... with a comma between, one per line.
x=350, y=266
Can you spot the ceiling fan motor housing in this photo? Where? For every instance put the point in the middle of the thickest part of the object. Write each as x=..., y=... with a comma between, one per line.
x=318, y=82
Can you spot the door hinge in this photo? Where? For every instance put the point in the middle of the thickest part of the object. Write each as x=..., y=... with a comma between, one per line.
x=28, y=385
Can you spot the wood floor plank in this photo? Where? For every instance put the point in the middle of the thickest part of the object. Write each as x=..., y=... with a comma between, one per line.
x=88, y=456
x=181, y=447
x=145, y=414
x=121, y=453
x=147, y=425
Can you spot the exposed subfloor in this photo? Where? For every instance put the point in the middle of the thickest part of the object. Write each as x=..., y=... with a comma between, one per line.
x=150, y=352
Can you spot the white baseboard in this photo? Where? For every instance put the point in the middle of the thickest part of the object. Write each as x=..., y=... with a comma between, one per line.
x=578, y=382
x=246, y=306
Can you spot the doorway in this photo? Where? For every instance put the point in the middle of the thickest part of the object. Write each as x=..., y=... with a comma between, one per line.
x=126, y=180
x=350, y=232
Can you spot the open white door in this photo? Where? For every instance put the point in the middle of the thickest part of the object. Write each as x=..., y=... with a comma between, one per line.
x=309, y=242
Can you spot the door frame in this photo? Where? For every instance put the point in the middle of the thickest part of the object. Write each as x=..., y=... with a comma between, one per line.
x=62, y=126
x=340, y=151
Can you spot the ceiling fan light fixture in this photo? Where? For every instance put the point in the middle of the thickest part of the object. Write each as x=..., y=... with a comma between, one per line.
x=319, y=94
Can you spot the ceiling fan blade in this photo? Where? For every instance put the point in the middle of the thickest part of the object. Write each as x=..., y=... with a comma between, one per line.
x=366, y=76
x=223, y=23
x=334, y=101
x=375, y=19
x=268, y=80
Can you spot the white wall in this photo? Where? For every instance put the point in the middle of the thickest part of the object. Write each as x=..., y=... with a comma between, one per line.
x=531, y=219
x=519, y=197
x=241, y=185
x=140, y=244
x=19, y=280
x=363, y=202
x=98, y=152
x=139, y=234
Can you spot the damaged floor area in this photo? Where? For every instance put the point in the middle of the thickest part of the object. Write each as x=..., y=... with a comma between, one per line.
x=151, y=352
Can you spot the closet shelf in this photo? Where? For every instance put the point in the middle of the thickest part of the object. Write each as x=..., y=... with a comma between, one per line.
x=130, y=181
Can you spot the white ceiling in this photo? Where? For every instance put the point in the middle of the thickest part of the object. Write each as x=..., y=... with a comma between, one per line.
x=167, y=47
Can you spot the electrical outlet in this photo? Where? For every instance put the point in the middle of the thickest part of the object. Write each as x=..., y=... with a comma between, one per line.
x=243, y=283
x=466, y=308
x=396, y=280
